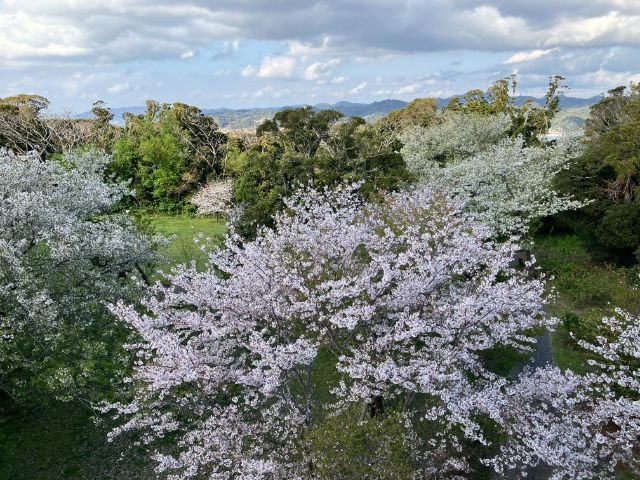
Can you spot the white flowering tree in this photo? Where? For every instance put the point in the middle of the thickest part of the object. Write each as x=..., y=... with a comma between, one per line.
x=455, y=137
x=506, y=184
x=404, y=297
x=213, y=198
x=581, y=426
x=62, y=254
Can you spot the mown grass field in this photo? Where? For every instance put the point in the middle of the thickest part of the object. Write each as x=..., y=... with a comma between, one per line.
x=181, y=231
x=60, y=441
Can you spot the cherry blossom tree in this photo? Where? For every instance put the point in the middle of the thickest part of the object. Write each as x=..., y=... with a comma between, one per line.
x=213, y=198
x=62, y=253
x=505, y=183
x=580, y=426
x=404, y=296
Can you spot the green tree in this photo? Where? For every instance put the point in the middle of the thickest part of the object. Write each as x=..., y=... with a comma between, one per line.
x=22, y=129
x=302, y=146
x=167, y=152
x=529, y=120
x=370, y=448
x=608, y=173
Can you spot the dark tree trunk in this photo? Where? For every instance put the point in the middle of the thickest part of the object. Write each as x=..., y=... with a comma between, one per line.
x=376, y=406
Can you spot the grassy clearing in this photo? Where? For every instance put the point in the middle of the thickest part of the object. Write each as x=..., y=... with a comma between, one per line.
x=585, y=291
x=181, y=231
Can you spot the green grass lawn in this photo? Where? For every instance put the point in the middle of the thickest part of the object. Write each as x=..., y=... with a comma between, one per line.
x=181, y=231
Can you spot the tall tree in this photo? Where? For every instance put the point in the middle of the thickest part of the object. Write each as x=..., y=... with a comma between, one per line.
x=505, y=183
x=168, y=152
x=301, y=147
x=402, y=297
x=608, y=173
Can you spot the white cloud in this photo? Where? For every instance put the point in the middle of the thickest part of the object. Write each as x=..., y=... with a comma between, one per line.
x=415, y=86
x=272, y=66
x=231, y=46
x=320, y=70
x=314, y=45
x=358, y=88
x=270, y=92
x=119, y=87
x=408, y=89
x=521, y=57
x=249, y=71
x=121, y=30
x=609, y=29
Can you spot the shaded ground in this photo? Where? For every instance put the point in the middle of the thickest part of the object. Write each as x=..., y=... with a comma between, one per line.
x=60, y=441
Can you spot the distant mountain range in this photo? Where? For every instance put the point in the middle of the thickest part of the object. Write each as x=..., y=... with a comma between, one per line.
x=229, y=118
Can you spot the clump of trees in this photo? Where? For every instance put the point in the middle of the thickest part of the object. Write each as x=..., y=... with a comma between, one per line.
x=529, y=120
x=25, y=127
x=167, y=153
x=492, y=156
x=608, y=172
x=305, y=147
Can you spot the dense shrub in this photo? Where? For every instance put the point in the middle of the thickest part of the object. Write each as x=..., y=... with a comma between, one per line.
x=608, y=173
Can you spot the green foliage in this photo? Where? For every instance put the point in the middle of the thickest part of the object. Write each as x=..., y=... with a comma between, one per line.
x=64, y=256
x=619, y=227
x=585, y=290
x=301, y=146
x=608, y=173
x=62, y=442
x=22, y=129
x=345, y=447
x=167, y=152
x=530, y=121
x=420, y=112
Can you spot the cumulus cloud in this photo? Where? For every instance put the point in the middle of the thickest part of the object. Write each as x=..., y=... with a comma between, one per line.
x=358, y=88
x=321, y=70
x=288, y=44
x=272, y=66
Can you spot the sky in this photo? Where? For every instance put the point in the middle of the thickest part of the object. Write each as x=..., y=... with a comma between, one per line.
x=257, y=53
